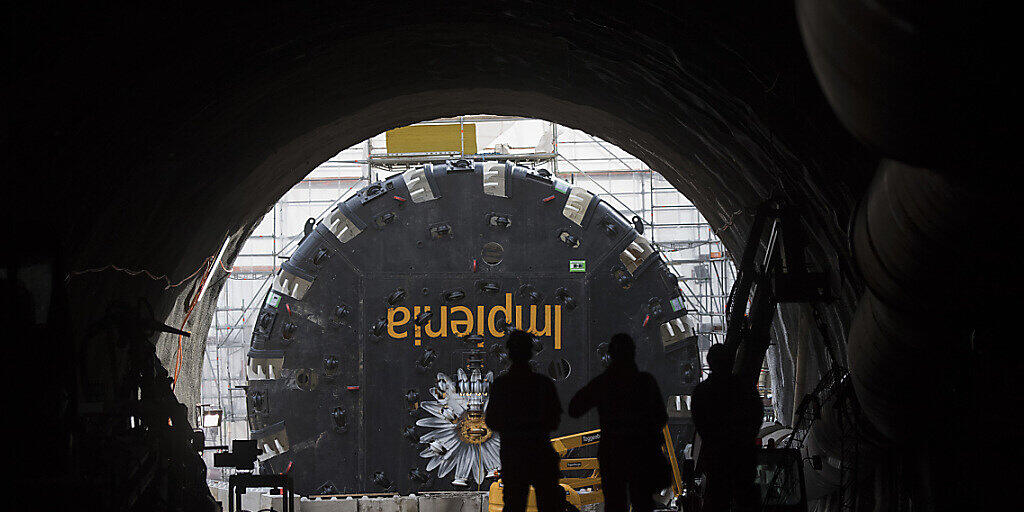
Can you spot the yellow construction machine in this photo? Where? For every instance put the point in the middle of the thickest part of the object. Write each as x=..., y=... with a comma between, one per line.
x=582, y=490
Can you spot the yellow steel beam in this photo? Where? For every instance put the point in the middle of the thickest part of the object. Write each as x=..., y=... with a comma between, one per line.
x=677, y=479
x=565, y=443
x=433, y=138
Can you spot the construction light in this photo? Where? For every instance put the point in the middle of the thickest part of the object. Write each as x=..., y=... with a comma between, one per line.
x=211, y=418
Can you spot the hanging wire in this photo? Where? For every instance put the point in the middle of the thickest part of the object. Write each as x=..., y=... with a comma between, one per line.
x=145, y=272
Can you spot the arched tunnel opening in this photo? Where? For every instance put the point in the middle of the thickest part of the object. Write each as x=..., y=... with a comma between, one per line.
x=141, y=140
x=489, y=241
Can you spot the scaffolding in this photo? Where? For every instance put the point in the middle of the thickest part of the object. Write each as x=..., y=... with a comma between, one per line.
x=695, y=254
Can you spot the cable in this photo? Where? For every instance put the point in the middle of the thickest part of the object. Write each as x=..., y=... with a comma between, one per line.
x=137, y=272
x=729, y=223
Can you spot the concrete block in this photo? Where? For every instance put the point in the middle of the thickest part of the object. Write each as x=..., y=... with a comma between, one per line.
x=453, y=502
x=330, y=505
x=379, y=504
x=276, y=502
x=410, y=503
x=250, y=500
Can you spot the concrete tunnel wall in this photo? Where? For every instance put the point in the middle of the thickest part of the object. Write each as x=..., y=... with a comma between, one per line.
x=167, y=131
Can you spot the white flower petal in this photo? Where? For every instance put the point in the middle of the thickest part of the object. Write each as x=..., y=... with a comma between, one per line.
x=489, y=451
x=433, y=449
x=447, y=464
x=445, y=384
x=433, y=408
x=440, y=434
x=478, y=465
x=464, y=463
x=433, y=422
x=456, y=403
x=449, y=414
x=454, y=450
x=452, y=442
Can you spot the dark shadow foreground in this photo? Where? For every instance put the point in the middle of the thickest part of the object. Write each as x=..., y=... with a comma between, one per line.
x=524, y=408
x=727, y=413
x=632, y=414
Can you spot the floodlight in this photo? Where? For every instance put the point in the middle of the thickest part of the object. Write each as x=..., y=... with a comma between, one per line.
x=211, y=418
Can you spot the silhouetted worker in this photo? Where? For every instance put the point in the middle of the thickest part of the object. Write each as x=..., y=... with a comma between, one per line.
x=727, y=413
x=523, y=409
x=632, y=414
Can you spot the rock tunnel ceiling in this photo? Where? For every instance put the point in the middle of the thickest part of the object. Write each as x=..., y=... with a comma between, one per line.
x=373, y=353
x=715, y=99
